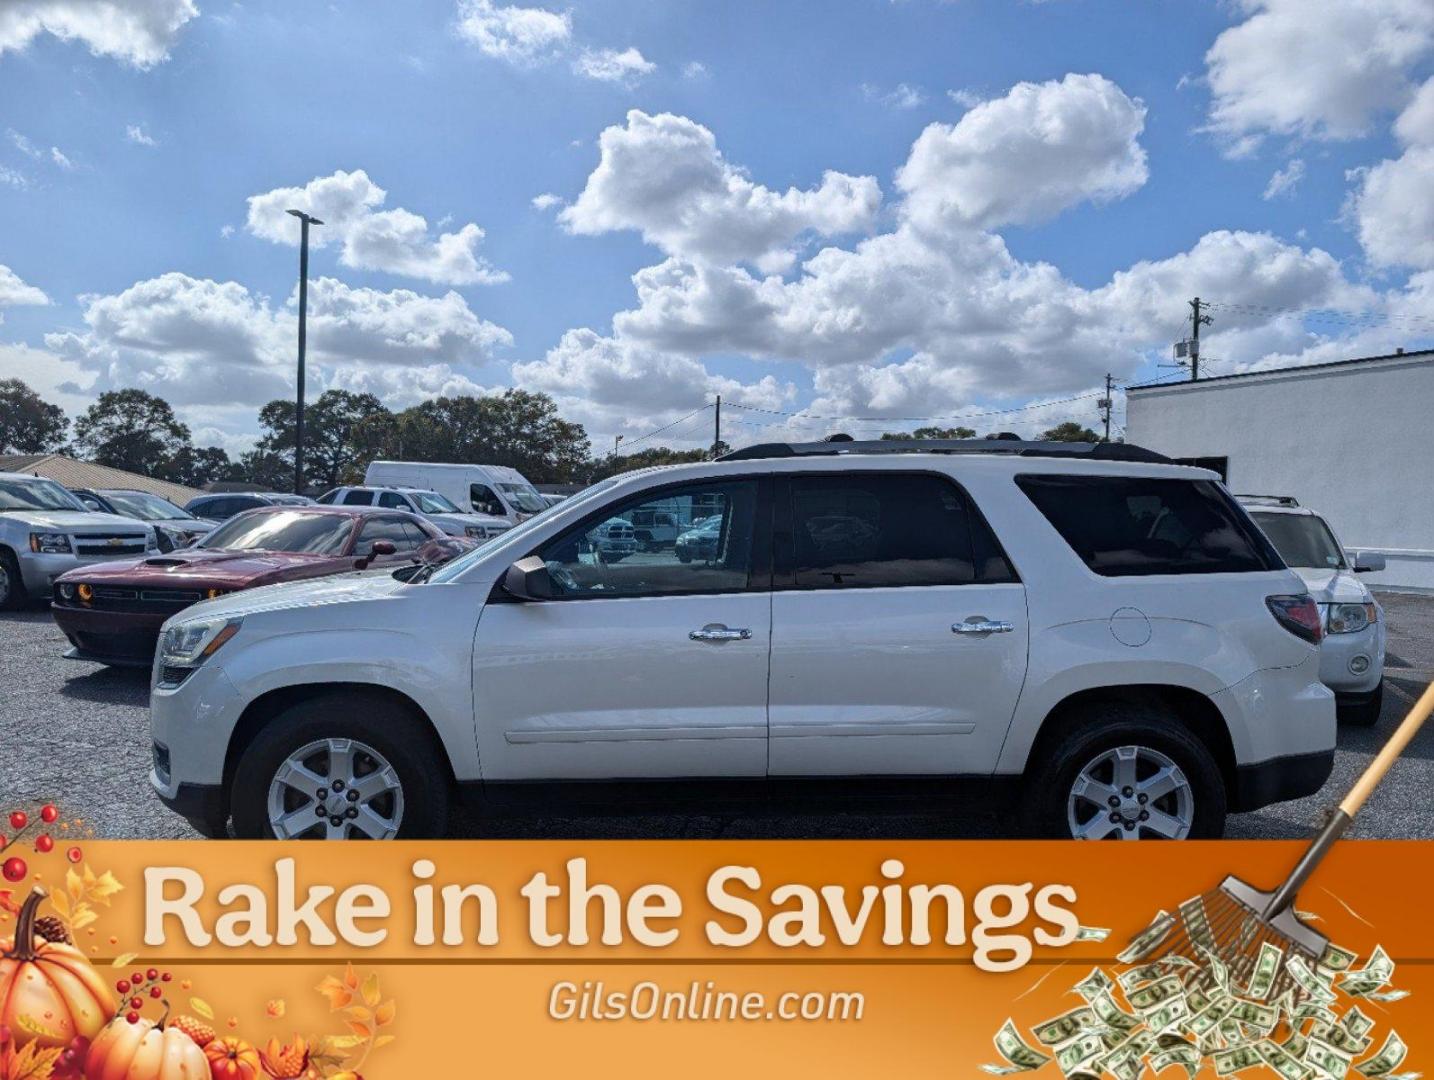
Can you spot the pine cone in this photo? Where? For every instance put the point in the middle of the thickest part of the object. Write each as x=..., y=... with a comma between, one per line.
x=52, y=929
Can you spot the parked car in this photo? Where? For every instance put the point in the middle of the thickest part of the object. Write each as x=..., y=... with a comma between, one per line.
x=700, y=542
x=44, y=531
x=1352, y=653
x=112, y=614
x=656, y=529
x=224, y=506
x=173, y=527
x=611, y=541
x=1084, y=638
x=426, y=504
x=495, y=490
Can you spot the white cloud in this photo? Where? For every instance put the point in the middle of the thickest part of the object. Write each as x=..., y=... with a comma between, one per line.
x=201, y=342
x=664, y=177
x=226, y=231
x=612, y=65
x=546, y=201
x=520, y=35
x=136, y=134
x=901, y=96
x=14, y=292
x=1284, y=181
x=59, y=158
x=1026, y=156
x=966, y=98
x=24, y=145
x=137, y=32
x=695, y=69
x=1390, y=206
x=11, y=178
x=1314, y=70
x=395, y=241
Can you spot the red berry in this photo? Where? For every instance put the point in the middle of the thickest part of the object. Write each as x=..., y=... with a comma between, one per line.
x=3, y=840
x=136, y=1003
x=74, y=854
x=165, y=977
x=49, y=813
x=155, y=991
x=152, y=974
x=44, y=844
x=19, y=819
x=14, y=869
x=122, y=986
x=137, y=978
x=132, y=1017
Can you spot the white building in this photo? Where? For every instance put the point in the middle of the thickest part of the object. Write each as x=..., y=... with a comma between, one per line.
x=1352, y=440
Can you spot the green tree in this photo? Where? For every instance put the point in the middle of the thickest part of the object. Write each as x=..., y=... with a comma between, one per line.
x=330, y=423
x=266, y=469
x=28, y=423
x=1070, y=431
x=932, y=433
x=133, y=430
x=642, y=459
x=197, y=466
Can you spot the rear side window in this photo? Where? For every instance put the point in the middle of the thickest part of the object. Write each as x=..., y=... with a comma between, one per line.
x=891, y=530
x=357, y=497
x=392, y=500
x=1125, y=526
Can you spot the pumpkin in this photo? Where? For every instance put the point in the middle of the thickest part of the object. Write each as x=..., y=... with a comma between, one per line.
x=49, y=993
x=232, y=1059
x=144, y=1050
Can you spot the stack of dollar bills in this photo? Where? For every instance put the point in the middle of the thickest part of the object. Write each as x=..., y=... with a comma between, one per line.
x=1193, y=1012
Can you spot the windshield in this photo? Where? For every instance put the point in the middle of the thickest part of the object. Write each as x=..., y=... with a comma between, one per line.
x=1302, y=540
x=142, y=505
x=37, y=494
x=430, y=502
x=452, y=570
x=524, y=496
x=283, y=530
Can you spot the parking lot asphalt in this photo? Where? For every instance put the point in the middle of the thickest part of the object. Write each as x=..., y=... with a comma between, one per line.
x=78, y=733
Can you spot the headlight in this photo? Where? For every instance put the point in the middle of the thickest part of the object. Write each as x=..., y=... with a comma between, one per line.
x=475, y=531
x=1350, y=618
x=50, y=543
x=190, y=643
x=67, y=591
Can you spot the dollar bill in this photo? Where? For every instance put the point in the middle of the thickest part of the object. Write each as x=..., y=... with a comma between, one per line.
x=1208, y=1019
x=1341, y=1038
x=1197, y=923
x=1092, y=933
x=1282, y=1061
x=1094, y=984
x=1020, y=1056
x=1295, y=1044
x=1079, y=1052
x=1063, y=1028
x=1336, y=959
x=1267, y=966
x=1144, y=973
x=1149, y=939
x=1329, y=1060
x=1387, y=995
x=1237, y=1058
x=1355, y=1022
x=1391, y=1055
x=1374, y=975
x=1168, y=1015
x=1257, y=1015
x=1219, y=973
x=1313, y=1010
x=1308, y=981
x=1197, y=998
x=1186, y=1056
x=1151, y=996
x=1112, y=1015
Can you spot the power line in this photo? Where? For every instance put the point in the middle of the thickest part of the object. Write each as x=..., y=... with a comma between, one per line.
x=1320, y=314
x=666, y=427
x=911, y=419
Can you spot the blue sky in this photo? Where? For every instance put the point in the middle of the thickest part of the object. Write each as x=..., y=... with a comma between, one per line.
x=858, y=209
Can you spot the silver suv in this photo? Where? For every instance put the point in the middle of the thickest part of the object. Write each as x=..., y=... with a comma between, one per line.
x=44, y=531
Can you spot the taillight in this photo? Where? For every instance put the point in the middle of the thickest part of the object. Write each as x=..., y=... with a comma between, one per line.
x=1297, y=614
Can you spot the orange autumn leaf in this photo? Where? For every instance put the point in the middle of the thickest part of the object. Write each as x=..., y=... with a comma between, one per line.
x=31, y=1062
x=371, y=994
x=384, y=1014
x=363, y=1031
x=339, y=995
x=276, y=1008
x=351, y=977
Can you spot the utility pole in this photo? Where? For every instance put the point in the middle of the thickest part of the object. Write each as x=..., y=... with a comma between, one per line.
x=615, y=444
x=305, y=220
x=1195, y=320
x=1105, y=406
x=717, y=427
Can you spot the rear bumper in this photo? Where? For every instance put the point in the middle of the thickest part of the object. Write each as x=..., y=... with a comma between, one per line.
x=1280, y=779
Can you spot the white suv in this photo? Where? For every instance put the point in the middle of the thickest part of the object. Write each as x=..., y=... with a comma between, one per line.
x=1352, y=653
x=426, y=504
x=1102, y=639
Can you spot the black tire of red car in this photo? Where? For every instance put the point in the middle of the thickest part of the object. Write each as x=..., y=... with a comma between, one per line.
x=12, y=585
x=1366, y=713
x=1100, y=726
x=390, y=729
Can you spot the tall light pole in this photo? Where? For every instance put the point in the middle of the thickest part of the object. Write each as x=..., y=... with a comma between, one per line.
x=305, y=220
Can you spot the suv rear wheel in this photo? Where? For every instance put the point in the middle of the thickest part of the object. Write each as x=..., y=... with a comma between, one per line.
x=340, y=768
x=1125, y=772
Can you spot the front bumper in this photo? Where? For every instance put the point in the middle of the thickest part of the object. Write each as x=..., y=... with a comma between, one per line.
x=202, y=805
x=109, y=637
x=1337, y=651
x=1280, y=779
x=38, y=571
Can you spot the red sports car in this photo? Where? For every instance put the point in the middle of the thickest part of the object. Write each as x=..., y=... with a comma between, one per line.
x=112, y=612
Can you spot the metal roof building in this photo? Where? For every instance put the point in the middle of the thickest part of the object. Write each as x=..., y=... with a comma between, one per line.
x=86, y=474
x=1349, y=439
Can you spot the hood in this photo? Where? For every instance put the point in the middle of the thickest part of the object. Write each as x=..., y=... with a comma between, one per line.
x=189, y=525
x=202, y=568
x=78, y=522
x=460, y=520
x=335, y=589
x=1333, y=586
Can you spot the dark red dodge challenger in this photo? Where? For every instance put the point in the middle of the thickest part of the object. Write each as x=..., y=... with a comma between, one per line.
x=112, y=612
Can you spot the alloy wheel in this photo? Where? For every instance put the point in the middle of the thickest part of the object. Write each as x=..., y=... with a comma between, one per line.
x=335, y=789
x=1131, y=793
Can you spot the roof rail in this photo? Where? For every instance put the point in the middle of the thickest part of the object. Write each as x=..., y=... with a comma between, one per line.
x=1271, y=500
x=1101, y=451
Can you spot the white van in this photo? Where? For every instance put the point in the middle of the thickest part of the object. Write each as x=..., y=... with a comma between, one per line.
x=487, y=489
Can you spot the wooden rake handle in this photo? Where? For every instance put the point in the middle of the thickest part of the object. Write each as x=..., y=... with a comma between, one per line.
x=1340, y=820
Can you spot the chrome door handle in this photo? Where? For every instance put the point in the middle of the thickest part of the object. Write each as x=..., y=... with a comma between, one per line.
x=982, y=626
x=718, y=632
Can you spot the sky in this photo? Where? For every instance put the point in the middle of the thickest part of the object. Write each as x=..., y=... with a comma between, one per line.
x=856, y=215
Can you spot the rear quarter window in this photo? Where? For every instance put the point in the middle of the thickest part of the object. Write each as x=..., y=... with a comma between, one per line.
x=1126, y=526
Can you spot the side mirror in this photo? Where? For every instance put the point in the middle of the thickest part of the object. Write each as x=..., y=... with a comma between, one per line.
x=1367, y=562
x=380, y=548
x=527, y=579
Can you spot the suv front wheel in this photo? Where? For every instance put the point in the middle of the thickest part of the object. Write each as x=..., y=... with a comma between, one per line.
x=1125, y=772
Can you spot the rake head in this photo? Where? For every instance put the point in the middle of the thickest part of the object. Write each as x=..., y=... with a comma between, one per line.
x=1231, y=925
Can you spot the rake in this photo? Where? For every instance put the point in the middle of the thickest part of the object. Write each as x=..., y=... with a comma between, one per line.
x=1234, y=921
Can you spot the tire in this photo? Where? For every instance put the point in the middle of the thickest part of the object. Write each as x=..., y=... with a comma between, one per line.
x=12, y=585
x=376, y=733
x=1093, y=740
x=1365, y=714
